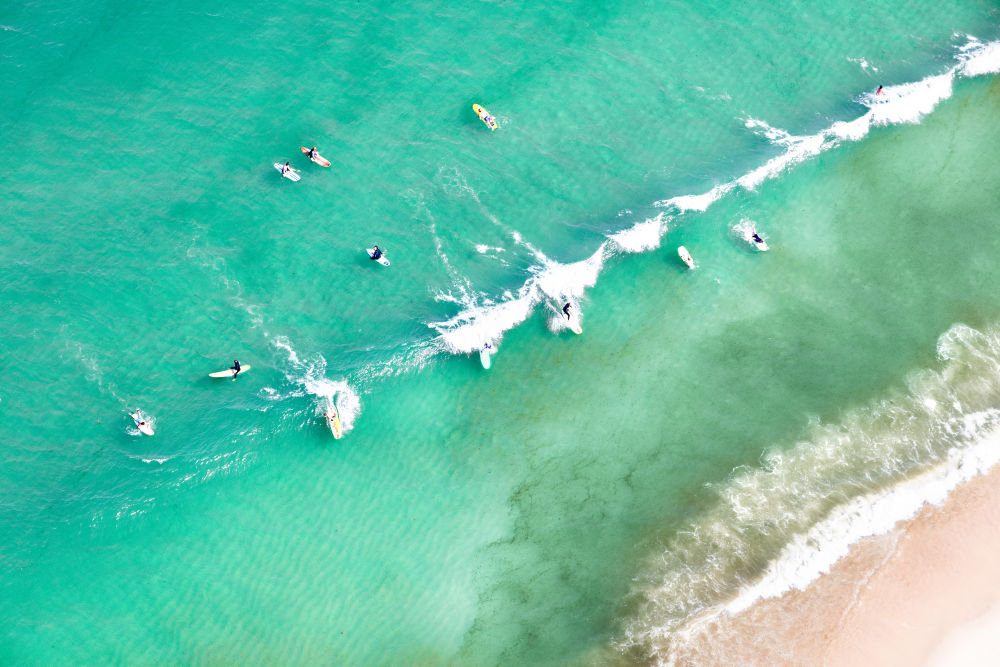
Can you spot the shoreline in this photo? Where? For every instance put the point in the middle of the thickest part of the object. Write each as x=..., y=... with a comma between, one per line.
x=926, y=592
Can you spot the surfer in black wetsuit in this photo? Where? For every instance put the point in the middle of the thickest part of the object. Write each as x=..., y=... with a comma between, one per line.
x=757, y=239
x=376, y=253
x=235, y=368
x=312, y=152
x=566, y=311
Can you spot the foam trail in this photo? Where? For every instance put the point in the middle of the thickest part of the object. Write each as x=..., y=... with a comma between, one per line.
x=310, y=375
x=552, y=282
x=788, y=521
x=744, y=231
x=217, y=264
x=482, y=248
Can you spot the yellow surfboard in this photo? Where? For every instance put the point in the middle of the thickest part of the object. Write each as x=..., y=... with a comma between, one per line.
x=333, y=421
x=485, y=116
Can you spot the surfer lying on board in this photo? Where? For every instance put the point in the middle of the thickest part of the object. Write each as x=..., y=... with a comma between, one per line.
x=566, y=311
x=376, y=253
x=757, y=238
x=235, y=368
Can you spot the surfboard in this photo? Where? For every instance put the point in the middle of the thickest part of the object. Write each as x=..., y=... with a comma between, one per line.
x=572, y=319
x=141, y=423
x=228, y=373
x=485, y=116
x=333, y=421
x=685, y=256
x=381, y=260
x=318, y=159
x=484, y=356
x=291, y=175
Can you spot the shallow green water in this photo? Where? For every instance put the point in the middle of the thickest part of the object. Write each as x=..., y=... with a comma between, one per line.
x=467, y=517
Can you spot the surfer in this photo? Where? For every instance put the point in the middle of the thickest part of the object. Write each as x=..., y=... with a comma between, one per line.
x=376, y=253
x=757, y=239
x=311, y=153
x=566, y=311
x=235, y=368
x=880, y=91
x=287, y=167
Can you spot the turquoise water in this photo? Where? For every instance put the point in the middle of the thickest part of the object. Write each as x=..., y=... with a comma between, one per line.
x=585, y=498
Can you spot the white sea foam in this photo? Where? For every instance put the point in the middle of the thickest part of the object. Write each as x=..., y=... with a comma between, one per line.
x=481, y=322
x=905, y=103
x=977, y=58
x=744, y=231
x=811, y=554
x=476, y=324
x=864, y=63
x=482, y=248
x=310, y=374
x=643, y=236
x=802, y=509
x=684, y=203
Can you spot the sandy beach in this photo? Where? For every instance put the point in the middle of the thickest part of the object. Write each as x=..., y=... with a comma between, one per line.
x=926, y=593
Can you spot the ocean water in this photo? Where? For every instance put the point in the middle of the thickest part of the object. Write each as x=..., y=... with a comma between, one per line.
x=715, y=436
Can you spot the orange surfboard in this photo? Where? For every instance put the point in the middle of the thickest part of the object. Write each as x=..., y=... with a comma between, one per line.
x=318, y=159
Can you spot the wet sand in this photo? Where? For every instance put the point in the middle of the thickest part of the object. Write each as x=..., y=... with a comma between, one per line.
x=922, y=594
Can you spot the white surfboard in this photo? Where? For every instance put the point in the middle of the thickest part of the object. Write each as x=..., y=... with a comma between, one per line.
x=333, y=423
x=484, y=355
x=573, y=318
x=141, y=423
x=229, y=372
x=381, y=260
x=685, y=256
x=291, y=174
